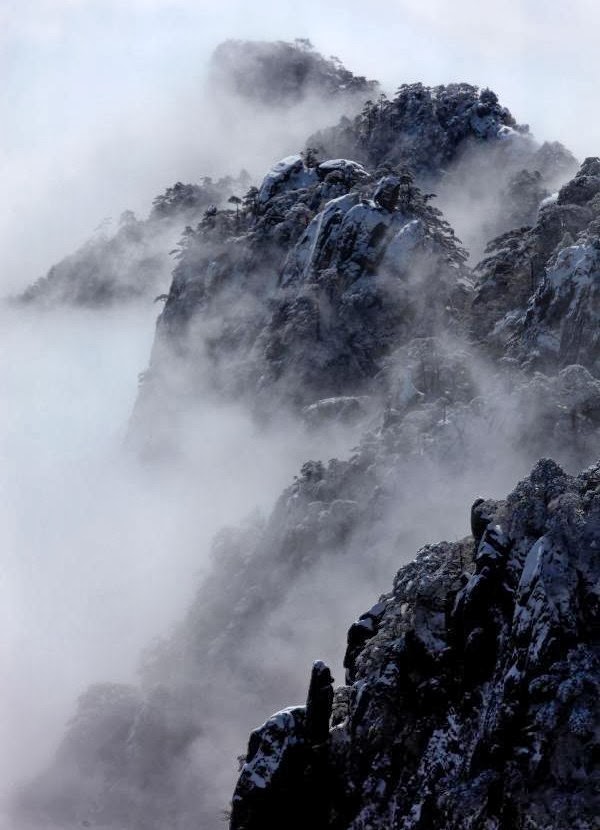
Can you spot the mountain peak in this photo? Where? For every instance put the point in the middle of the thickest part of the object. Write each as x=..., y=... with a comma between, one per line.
x=283, y=73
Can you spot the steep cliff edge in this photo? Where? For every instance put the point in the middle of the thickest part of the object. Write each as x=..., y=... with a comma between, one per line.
x=537, y=290
x=472, y=687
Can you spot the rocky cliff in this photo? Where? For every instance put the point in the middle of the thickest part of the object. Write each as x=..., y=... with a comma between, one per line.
x=471, y=696
x=330, y=264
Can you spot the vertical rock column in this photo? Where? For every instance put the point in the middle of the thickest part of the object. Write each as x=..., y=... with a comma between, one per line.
x=284, y=780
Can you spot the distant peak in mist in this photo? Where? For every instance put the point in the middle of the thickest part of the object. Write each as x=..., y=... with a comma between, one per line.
x=280, y=73
x=133, y=261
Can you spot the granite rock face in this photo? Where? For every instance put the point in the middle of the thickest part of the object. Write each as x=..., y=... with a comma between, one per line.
x=539, y=285
x=421, y=127
x=304, y=291
x=562, y=322
x=488, y=171
x=474, y=694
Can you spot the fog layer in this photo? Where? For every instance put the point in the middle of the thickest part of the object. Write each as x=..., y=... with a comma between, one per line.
x=101, y=555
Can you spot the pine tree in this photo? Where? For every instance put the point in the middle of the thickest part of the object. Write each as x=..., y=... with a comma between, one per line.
x=235, y=200
x=250, y=201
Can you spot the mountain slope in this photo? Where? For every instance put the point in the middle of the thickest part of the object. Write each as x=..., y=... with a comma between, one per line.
x=134, y=262
x=327, y=266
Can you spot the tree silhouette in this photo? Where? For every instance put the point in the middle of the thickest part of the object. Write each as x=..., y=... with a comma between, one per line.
x=250, y=201
x=235, y=200
x=310, y=156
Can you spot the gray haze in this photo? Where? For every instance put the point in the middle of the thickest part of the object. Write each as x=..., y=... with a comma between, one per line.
x=102, y=555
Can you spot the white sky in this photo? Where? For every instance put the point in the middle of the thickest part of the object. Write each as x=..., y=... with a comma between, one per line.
x=96, y=94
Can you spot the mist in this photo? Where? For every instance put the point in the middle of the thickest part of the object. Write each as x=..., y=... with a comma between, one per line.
x=102, y=554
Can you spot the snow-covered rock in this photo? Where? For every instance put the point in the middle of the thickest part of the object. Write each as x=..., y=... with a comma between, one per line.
x=562, y=322
x=474, y=697
x=288, y=174
x=350, y=170
x=421, y=127
x=539, y=286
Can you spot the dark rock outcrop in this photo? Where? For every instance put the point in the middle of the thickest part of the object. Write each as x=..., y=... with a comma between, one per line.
x=312, y=283
x=289, y=746
x=421, y=127
x=539, y=286
x=474, y=703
